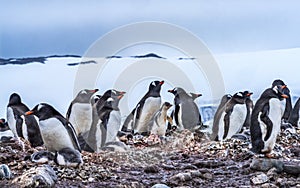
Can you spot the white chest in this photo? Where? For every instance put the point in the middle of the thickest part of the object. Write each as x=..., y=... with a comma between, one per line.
x=113, y=126
x=151, y=105
x=237, y=119
x=55, y=135
x=11, y=120
x=81, y=117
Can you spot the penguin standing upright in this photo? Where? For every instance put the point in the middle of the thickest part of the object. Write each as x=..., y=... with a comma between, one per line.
x=80, y=111
x=57, y=132
x=103, y=120
x=294, y=116
x=186, y=114
x=146, y=108
x=266, y=119
x=230, y=118
x=25, y=127
x=287, y=102
x=158, y=123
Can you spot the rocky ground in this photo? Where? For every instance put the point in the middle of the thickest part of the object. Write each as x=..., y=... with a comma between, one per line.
x=184, y=160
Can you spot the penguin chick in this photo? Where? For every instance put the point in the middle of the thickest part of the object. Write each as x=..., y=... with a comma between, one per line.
x=57, y=132
x=68, y=157
x=158, y=123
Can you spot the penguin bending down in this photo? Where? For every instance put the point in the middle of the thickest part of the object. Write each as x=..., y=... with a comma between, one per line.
x=146, y=108
x=294, y=116
x=57, y=132
x=230, y=118
x=106, y=120
x=287, y=103
x=158, y=123
x=5, y=132
x=266, y=119
x=80, y=111
x=22, y=126
x=186, y=114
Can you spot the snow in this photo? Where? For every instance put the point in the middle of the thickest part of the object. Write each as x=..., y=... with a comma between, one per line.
x=53, y=82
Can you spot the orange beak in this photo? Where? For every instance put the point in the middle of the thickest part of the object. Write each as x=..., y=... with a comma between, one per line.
x=95, y=90
x=283, y=87
x=161, y=83
x=170, y=90
x=1, y=121
x=284, y=96
x=249, y=94
x=28, y=113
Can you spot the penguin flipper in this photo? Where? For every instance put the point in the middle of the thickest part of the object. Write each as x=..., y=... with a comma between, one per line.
x=128, y=121
x=226, y=124
x=19, y=124
x=177, y=108
x=69, y=111
x=73, y=136
x=264, y=118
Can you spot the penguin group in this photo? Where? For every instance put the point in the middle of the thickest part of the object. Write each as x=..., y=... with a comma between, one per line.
x=262, y=121
x=93, y=122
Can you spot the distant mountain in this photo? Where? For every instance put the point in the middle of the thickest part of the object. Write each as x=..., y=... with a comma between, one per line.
x=186, y=58
x=27, y=60
x=82, y=63
x=113, y=56
x=153, y=55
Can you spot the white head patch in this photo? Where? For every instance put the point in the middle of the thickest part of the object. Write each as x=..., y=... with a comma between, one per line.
x=110, y=99
x=40, y=106
x=153, y=83
x=239, y=94
x=83, y=92
x=114, y=91
x=275, y=89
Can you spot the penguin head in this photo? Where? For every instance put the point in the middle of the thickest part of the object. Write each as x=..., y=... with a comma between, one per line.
x=195, y=95
x=2, y=123
x=280, y=82
x=14, y=99
x=247, y=94
x=279, y=91
x=239, y=97
x=85, y=95
x=111, y=98
x=177, y=91
x=94, y=99
x=166, y=105
x=43, y=110
x=155, y=86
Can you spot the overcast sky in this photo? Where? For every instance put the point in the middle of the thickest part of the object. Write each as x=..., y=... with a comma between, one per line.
x=32, y=28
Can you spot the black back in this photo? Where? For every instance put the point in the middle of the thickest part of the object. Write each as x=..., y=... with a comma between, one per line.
x=294, y=116
x=45, y=111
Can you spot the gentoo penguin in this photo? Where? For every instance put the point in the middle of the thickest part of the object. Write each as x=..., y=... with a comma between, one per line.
x=230, y=118
x=294, y=116
x=287, y=102
x=158, y=123
x=57, y=132
x=146, y=108
x=80, y=111
x=266, y=119
x=22, y=126
x=68, y=157
x=186, y=114
x=102, y=109
x=5, y=132
x=249, y=105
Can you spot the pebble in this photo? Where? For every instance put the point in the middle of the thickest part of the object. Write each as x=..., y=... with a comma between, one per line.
x=181, y=177
x=151, y=169
x=259, y=179
x=263, y=164
x=268, y=185
x=160, y=186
